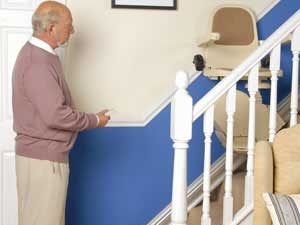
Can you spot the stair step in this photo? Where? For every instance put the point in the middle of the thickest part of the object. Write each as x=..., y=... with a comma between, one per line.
x=241, y=150
x=216, y=209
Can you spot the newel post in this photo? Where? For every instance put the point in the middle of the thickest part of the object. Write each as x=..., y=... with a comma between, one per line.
x=181, y=133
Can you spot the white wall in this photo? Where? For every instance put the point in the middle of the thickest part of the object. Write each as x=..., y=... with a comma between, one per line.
x=126, y=59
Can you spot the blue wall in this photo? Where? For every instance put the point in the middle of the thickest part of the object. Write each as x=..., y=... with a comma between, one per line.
x=123, y=176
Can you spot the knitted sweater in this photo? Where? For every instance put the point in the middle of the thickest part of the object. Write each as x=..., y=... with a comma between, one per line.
x=45, y=118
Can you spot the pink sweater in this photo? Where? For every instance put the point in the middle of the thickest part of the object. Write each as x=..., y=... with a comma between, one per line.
x=45, y=118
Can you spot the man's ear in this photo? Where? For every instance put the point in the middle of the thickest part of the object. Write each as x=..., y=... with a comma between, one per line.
x=50, y=28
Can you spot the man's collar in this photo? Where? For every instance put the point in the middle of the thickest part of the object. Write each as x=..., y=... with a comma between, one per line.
x=41, y=44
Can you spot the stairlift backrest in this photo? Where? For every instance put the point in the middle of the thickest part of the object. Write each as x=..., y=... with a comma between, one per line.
x=235, y=26
x=238, y=36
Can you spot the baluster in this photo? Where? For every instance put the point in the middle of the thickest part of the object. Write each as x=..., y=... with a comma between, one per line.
x=274, y=67
x=181, y=133
x=294, y=95
x=208, y=130
x=252, y=88
x=228, y=199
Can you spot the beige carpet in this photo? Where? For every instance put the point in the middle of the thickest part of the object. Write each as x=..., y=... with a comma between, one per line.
x=216, y=209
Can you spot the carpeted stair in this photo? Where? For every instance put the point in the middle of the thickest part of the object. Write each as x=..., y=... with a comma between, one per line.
x=216, y=209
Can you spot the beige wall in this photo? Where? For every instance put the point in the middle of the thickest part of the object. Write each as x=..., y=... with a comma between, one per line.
x=126, y=59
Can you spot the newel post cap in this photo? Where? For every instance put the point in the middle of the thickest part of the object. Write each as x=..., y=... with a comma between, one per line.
x=182, y=80
x=181, y=110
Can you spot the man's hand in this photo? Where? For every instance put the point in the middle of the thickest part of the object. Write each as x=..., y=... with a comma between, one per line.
x=103, y=119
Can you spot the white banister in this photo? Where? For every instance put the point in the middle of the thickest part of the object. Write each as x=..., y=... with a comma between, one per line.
x=183, y=113
x=274, y=67
x=228, y=199
x=181, y=133
x=223, y=86
x=252, y=89
x=208, y=127
x=294, y=93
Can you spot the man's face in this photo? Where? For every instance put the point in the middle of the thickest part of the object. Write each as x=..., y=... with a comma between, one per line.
x=64, y=28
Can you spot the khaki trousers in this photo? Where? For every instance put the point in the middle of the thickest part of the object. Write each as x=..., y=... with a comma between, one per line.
x=42, y=190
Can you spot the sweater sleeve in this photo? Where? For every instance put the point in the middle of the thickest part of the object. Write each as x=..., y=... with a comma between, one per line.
x=42, y=89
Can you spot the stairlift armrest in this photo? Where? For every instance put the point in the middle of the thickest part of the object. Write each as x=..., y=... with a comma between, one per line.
x=209, y=39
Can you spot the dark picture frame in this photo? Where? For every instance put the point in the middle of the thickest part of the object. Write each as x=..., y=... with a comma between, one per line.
x=170, y=4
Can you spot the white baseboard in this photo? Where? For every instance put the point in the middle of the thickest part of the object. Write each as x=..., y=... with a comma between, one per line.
x=195, y=190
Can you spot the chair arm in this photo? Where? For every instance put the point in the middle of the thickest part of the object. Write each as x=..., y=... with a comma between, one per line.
x=263, y=181
x=209, y=39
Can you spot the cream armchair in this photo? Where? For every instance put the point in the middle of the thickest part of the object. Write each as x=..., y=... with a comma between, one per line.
x=277, y=170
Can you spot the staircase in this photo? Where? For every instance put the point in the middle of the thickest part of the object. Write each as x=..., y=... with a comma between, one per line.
x=194, y=216
x=184, y=112
x=238, y=181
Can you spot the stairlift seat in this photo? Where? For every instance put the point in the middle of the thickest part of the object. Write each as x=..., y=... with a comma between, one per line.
x=231, y=39
x=236, y=27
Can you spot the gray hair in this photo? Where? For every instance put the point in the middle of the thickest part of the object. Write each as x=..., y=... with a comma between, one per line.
x=40, y=21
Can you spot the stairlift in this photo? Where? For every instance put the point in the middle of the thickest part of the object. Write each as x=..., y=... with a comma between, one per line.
x=231, y=39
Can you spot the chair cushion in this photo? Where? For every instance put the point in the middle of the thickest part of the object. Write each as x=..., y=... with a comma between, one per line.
x=283, y=209
x=286, y=150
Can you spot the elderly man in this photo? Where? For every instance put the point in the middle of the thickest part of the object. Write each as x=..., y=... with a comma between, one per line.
x=45, y=119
